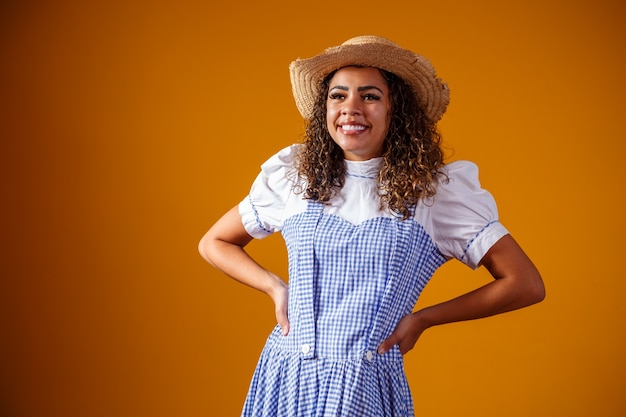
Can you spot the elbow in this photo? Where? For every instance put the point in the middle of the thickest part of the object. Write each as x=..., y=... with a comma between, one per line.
x=204, y=248
x=536, y=291
x=537, y=295
x=540, y=293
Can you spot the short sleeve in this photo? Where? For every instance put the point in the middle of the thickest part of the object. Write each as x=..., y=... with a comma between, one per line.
x=262, y=209
x=465, y=216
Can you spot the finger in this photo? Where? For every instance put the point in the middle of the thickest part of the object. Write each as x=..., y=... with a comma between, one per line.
x=387, y=344
x=283, y=322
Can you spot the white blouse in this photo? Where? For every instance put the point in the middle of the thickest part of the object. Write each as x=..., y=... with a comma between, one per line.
x=462, y=218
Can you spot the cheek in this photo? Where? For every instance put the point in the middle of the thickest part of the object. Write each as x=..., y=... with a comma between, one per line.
x=384, y=119
x=330, y=121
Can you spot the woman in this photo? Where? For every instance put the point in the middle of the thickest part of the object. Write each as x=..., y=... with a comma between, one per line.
x=368, y=211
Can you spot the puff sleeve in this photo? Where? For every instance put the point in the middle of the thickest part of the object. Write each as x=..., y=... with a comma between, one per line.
x=465, y=216
x=262, y=211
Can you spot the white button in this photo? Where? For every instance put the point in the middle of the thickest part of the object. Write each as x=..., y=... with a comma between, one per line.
x=306, y=349
x=369, y=355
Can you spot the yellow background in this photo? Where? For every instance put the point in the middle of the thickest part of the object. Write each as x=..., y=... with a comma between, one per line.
x=128, y=127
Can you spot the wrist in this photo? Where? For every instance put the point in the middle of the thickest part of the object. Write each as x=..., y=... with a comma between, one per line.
x=275, y=286
x=422, y=320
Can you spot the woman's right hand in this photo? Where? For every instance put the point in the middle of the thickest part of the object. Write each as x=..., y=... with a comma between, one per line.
x=223, y=247
x=279, y=295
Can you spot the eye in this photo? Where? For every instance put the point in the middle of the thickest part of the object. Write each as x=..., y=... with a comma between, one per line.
x=336, y=96
x=371, y=97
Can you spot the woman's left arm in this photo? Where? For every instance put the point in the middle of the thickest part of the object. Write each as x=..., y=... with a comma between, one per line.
x=517, y=284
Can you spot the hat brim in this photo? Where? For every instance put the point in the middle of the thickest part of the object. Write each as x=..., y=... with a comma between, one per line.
x=432, y=94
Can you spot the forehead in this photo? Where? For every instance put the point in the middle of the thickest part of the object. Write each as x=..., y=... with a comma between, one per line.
x=358, y=75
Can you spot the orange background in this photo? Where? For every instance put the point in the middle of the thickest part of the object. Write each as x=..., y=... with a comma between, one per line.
x=128, y=127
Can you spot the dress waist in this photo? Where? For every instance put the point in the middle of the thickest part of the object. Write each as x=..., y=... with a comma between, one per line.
x=307, y=348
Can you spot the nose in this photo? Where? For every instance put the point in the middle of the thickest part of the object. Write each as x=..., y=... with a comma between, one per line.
x=351, y=105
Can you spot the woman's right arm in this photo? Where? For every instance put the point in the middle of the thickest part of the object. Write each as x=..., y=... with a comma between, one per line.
x=223, y=247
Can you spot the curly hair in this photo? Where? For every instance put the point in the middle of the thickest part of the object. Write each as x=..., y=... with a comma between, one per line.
x=412, y=155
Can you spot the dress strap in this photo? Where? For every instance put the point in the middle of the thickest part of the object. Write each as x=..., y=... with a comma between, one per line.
x=307, y=281
x=402, y=234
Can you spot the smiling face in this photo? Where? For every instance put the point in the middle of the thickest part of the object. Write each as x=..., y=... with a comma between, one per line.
x=357, y=112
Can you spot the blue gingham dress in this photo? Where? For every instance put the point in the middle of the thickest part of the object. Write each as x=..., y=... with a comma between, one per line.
x=354, y=271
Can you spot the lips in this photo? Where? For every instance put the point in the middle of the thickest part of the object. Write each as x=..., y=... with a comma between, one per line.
x=348, y=128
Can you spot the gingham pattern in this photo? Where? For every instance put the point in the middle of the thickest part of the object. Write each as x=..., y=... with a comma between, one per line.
x=349, y=285
x=355, y=270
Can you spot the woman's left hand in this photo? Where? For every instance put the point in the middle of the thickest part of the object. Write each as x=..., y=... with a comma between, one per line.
x=405, y=335
x=517, y=284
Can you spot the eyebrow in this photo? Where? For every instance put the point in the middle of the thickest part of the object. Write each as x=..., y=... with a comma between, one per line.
x=363, y=88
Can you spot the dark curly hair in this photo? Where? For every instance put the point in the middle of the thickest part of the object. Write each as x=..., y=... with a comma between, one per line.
x=412, y=155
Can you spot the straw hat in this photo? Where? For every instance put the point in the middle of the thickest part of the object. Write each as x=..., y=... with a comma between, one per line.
x=372, y=51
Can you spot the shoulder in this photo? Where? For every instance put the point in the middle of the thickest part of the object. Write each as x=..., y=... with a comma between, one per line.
x=459, y=180
x=464, y=215
x=263, y=211
x=279, y=170
x=463, y=171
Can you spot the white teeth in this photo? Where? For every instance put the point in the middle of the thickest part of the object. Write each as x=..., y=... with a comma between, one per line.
x=353, y=127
